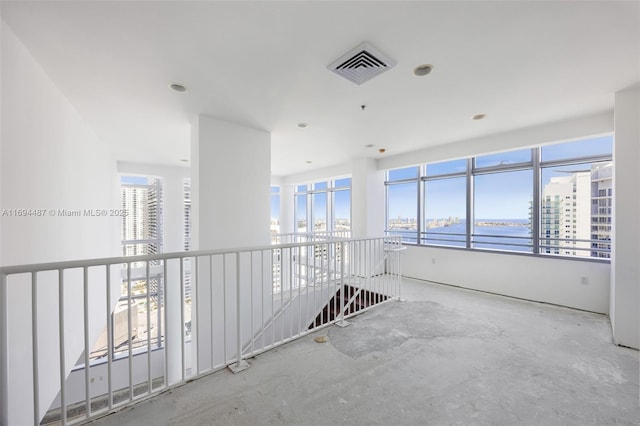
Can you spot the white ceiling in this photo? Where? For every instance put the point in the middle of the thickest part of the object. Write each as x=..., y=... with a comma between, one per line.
x=264, y=63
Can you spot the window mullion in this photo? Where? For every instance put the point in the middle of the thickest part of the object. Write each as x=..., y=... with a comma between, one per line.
x=470, y=217
x=535, y=202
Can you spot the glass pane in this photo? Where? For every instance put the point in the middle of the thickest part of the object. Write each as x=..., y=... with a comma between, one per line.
x=319, y=216
x=134, y=180
x=320, y=185
x=445, y=212
x=275, y=212
x=504, y=158
x=502, y=211
x=342, y=210
x=400, y=174
x=595, y=146
x=343, y=183
x=301, y=188
x=402, y=204
x=301, y=213
x=447, y=167
x=575, y=217
x=275, y=190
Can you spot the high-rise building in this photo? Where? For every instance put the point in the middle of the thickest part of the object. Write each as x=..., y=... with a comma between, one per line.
x=141, y=231
x=576, y=213
x=601, y=214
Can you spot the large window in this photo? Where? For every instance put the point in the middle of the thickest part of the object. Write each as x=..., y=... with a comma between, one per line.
x=275, y=211
x=445, y=201
x=402, y=203
x=325, y=205
x=576, y=198
x=550, y=200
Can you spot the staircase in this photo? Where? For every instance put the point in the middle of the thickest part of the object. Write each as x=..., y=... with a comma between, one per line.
x=350, y=299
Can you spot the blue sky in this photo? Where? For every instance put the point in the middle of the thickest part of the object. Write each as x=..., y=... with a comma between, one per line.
x=498, y=195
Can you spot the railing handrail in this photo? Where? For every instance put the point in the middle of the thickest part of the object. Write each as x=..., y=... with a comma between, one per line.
x=107, y=261
x=277, y=299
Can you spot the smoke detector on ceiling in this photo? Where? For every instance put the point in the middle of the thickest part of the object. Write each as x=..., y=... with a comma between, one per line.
x=362, y=64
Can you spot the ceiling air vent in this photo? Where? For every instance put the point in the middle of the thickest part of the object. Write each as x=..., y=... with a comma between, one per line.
x=362, y=64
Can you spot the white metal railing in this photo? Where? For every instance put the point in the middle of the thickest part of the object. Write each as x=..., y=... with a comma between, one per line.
x=303, y=237
x=68, y=355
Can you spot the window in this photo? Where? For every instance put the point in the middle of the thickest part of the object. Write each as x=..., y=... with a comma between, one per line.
x=402, y=203
x=141, y=234
x=275, y=211
x=326, y=205
x=549, y=200
x=141, y=231
x=581, y=172
x=445, y=199
x=342, y=205
x=501, y=211
x=300, y=207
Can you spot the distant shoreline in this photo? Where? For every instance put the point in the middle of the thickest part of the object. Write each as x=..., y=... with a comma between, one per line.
x=498, y=223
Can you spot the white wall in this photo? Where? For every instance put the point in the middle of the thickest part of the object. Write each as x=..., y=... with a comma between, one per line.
x=51, y=160
x=625, y=277
x=556, y=281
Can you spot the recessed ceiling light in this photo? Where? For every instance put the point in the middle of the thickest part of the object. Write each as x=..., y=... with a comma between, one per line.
x=303, y=125
x=422, y=70
x=184, y=160
x=308, y=162
x=369, y=145
x=478, y=117
x=177, y=87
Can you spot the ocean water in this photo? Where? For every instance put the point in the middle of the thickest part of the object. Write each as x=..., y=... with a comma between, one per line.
x=514, y=235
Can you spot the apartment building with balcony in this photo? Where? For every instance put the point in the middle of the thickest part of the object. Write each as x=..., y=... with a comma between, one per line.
x=237, y=97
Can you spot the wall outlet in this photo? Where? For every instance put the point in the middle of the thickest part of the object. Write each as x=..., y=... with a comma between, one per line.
x=433, y=260
x=584, y=280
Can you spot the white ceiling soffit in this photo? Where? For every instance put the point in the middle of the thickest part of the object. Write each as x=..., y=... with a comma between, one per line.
x=361, y=64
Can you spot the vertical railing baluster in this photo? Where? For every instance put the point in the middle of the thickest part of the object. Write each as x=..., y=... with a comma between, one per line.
x=4, y=350
x=109, y=339
x=224, y=307
x=149, y=378
x=87, y=348
x=183, y=332
x=251, y=300
x=211, y=299
x=34, y=347
x=167, y=340
x=63, y=392
x=129, y=331
x=300, y=293
x=195, y=324
x=293, y=280
x=262, y=323
x=282, y=275
x=240, y=363
x=273, y=294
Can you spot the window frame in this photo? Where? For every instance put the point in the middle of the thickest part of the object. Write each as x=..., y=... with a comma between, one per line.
x=309, y=192
x=536, y=165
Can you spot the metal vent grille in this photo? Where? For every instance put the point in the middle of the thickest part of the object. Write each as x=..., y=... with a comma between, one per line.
x=362, y=64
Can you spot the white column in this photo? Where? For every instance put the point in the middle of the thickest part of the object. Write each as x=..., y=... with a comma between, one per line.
x=625, y=257
x=231, y=175
x=367, y=199
x=231, y=207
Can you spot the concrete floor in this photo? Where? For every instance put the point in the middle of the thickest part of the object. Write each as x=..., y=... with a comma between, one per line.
x=446, y=356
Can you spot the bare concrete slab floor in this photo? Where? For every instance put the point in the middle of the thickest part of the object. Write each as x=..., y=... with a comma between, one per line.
x=446, y=356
